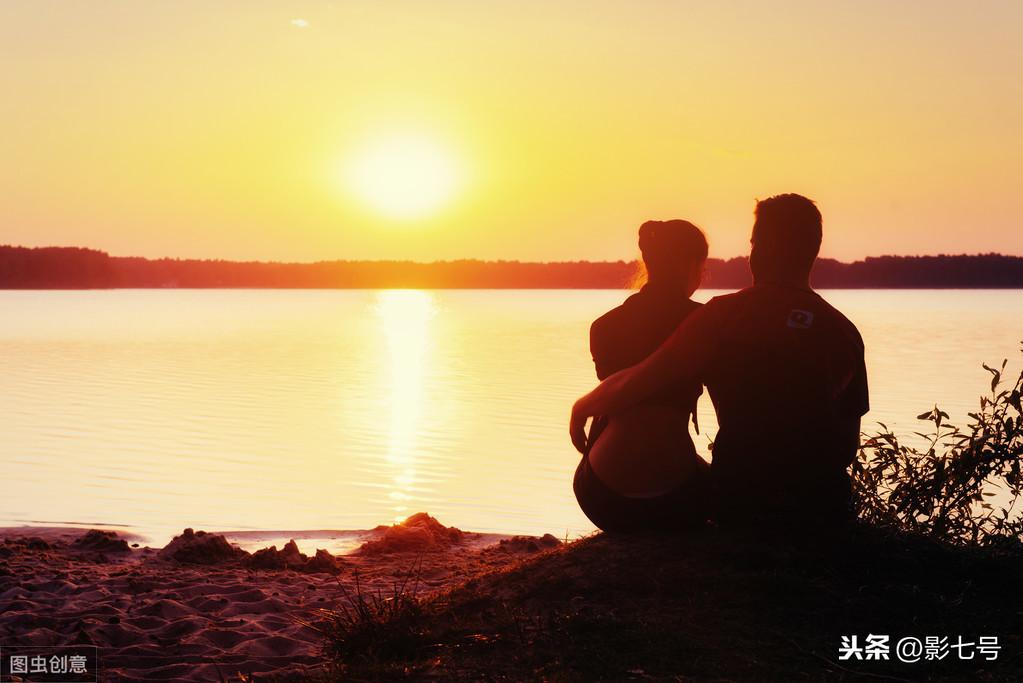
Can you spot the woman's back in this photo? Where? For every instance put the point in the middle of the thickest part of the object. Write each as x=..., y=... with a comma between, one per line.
x=629, y=333
x=647, y=450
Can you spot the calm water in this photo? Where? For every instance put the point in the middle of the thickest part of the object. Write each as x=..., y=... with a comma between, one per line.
x=257, y=409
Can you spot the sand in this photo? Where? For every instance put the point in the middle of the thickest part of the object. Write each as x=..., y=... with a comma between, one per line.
x=203, y=606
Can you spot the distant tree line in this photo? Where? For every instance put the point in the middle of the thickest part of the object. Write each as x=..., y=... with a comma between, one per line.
x=78, y=268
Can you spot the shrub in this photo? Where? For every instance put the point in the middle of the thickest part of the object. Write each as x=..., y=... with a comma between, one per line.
x=962, y=486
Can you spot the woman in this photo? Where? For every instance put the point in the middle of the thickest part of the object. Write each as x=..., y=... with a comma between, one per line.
x=640, y=471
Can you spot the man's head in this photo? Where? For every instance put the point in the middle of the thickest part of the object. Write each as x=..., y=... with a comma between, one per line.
x=786, y=239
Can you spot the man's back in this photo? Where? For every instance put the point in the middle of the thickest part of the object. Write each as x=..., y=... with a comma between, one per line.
x=786, y=373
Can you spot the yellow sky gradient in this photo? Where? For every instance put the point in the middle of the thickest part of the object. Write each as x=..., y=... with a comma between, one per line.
x=200, y=129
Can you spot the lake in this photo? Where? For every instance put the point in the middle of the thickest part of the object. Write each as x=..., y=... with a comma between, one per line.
x=328, y=409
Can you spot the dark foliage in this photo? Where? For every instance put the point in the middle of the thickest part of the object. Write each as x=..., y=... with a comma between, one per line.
x=962, y=484
x=375, y=627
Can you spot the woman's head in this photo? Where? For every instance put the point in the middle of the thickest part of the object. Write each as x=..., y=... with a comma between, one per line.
x=673, y=252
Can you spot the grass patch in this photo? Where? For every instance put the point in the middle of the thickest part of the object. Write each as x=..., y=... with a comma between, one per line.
x=707, y=607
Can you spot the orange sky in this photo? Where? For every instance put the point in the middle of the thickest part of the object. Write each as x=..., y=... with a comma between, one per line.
x=239, y=129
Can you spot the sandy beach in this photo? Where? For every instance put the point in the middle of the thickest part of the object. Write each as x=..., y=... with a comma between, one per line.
x=204, y=605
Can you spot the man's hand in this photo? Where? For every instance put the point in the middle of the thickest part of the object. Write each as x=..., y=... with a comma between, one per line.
x=684, y=354
x=577, y=428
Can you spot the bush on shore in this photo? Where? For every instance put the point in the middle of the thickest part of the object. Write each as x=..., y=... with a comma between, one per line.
x=962, y=486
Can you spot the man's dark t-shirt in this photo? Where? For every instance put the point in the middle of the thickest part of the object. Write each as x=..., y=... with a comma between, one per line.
x=786, y=373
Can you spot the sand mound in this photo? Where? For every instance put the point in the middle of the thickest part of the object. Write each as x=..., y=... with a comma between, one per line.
x=322, y=562
x=199, y=547
x=289, y=557
x=102, y=541
x=12, y=545
x=418, y=533
x=270, y=558
x=527, y=544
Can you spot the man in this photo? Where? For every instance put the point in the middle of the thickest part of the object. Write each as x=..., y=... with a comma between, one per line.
x=785, y=371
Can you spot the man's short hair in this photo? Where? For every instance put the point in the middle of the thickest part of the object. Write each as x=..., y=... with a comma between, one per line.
x=788, y=230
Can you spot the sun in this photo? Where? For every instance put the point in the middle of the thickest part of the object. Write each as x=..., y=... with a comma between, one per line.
x=404, y=176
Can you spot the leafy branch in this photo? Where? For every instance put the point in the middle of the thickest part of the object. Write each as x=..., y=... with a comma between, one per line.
x=962, y=485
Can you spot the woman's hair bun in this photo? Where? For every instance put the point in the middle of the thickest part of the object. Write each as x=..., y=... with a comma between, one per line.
x=671, y=242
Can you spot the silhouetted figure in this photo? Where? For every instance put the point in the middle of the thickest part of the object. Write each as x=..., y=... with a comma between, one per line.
x=641, y=471
x=786, y=374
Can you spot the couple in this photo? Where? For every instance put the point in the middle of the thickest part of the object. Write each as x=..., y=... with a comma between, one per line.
x=784, y=370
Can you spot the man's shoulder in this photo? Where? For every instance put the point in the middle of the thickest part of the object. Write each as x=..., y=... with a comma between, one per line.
x=732, y=301
x=731, y=297
x=840, y=321
x=755, y=302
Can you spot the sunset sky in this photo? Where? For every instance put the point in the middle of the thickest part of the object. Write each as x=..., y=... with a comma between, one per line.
x=516, y=130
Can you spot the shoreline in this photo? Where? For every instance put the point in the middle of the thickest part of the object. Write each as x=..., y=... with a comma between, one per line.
x=339, y=542
x=205, y=603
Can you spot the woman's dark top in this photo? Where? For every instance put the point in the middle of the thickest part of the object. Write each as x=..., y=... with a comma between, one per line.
x=626, y=335
x=619, y=339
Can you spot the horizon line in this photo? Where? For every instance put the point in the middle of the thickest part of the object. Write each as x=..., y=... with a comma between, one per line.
x=483, y=260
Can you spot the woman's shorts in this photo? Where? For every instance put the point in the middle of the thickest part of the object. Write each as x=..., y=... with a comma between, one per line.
x=677, y=510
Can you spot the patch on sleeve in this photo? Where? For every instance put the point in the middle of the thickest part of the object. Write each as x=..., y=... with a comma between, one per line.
x=799, y=319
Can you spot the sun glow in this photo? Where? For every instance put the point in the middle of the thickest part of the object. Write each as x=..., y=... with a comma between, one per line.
x=404, y=177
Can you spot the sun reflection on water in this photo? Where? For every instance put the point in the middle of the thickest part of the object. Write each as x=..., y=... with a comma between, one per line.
x=405, y=316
